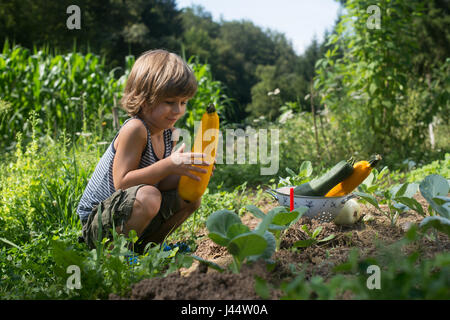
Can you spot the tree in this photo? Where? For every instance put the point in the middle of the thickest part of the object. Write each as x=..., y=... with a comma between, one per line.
x=373, y=88
x=108, y=27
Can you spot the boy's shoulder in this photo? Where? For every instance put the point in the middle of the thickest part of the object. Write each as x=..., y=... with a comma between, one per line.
x=134, y=130
x=134, y=126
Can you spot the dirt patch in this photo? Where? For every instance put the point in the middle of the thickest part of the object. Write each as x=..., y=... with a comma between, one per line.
x=200, y=282
x=202, y=285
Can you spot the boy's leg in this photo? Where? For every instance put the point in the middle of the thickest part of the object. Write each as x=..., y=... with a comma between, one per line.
x=165, y=221
x=133, y=208
x=170, y=225
x=145, y=207
x=142, y=208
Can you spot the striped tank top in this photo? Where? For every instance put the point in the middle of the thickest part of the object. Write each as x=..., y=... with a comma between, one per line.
x=101, y=185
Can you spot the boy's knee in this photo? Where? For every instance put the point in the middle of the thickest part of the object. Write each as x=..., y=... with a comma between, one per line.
x=149, y=199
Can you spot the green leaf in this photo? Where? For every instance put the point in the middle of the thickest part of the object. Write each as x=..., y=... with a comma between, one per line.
x=382, y=173
x=317, y=231
x=10, y=243
x=406, y=190
x=306, y=169
x=247, y=244
x=217, y=238
x=411, y=203
x=440, y=223
x=433, y=186
x=285, y=218
x=237, y=229
x=331, y=236
x=369, y=180
x=263, y=226
x=290, y=172
x=399, y=190
x=304, y=243
x=369, y=198
x=305, y=228
x=318, y=63
x=269, y=250
x=208, y=263
x=219, y=222
x=372, y=88
x=255, y=211
x=444, y=210
x=262, y=288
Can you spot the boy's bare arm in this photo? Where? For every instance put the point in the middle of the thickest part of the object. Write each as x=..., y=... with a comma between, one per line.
x=131, y=142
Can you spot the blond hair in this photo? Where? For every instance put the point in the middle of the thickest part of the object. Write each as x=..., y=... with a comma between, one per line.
x=157, y=75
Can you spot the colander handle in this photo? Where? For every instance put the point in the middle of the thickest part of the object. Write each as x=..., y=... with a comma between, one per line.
x=350, y=196
x=269, y=191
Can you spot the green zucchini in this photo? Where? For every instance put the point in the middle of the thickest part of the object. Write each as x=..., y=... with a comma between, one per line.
x=319, y=187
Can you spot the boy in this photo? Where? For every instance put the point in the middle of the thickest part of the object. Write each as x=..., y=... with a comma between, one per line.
x=134, y=185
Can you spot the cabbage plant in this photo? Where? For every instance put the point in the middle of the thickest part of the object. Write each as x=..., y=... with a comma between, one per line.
x=226, y=229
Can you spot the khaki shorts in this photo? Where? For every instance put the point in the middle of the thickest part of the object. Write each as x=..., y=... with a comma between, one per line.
x=116, y=210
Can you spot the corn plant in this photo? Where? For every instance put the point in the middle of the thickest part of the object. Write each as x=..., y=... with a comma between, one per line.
x=76, y=92
x=66, y=91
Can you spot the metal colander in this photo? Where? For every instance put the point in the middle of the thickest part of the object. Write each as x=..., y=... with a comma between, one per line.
x=324, y=209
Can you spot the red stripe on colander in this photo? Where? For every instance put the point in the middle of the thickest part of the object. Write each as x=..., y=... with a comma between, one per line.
x=292, y=198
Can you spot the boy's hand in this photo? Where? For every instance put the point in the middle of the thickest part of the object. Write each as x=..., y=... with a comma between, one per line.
x=183, y=162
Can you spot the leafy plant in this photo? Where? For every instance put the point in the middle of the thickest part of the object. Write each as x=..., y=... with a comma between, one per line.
x=313, y=237
x=395, y=198
x=439, y=223
x=281, y=219
x=226, y=229
x=108, y=268
x=295, y=179
x=403, y=276
x=434, y=188
x=373, y=95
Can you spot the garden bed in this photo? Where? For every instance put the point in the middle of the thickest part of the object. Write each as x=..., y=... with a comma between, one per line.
x=368, y=234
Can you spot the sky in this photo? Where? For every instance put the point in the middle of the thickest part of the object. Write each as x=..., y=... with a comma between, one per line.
x=299, y=20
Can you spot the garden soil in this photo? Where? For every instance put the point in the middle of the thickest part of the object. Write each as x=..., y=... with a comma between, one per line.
x=200, y=282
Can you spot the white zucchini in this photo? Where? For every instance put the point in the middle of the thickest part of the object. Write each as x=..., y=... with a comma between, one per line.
x=349, y=214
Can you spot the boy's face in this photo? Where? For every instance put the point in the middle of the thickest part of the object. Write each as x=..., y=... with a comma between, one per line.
x=164, y=114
